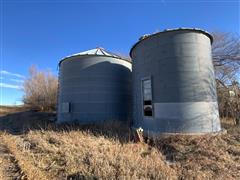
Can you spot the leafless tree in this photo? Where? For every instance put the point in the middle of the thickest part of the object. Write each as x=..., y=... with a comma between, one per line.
x=40, y=90
x=226, y=56
x=226, y=60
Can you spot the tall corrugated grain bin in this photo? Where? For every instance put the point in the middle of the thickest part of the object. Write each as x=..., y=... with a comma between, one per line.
x=173, y=83
x=94, y=86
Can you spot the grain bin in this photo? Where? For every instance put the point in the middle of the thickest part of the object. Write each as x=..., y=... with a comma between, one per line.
x=173, y=83
x=94, y=86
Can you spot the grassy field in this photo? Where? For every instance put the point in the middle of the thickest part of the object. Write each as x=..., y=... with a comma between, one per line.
x=44, y=151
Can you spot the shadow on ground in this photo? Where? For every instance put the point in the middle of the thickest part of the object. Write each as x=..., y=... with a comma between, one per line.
x=21, y=122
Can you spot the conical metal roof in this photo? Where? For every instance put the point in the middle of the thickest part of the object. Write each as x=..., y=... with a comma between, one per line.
x=99, y=51
x=96, y=51
x=146, y=36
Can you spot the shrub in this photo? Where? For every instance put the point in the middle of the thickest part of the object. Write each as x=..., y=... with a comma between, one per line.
x=40, y=90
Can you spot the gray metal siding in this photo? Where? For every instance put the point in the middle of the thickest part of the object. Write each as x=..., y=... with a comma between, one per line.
x=97, y=87
x=184, y=92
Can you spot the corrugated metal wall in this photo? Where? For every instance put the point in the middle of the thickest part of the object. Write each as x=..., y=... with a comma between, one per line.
x=98, y=88
x=184, y=98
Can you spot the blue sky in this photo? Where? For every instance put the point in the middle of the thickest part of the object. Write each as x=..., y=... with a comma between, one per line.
x=41, y=32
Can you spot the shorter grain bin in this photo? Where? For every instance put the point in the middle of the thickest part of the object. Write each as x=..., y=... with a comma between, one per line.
x=94, y=86
x=173, y=83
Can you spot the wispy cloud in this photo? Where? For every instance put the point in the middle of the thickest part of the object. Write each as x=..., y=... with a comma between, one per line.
x=5, y=85
x=11, y=74
x=17, y=80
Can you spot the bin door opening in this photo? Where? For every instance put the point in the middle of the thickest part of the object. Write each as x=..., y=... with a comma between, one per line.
x=147, y=97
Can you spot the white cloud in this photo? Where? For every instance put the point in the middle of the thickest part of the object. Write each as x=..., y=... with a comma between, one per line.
x=17, y=80
x=12, y=74
x=5, y=85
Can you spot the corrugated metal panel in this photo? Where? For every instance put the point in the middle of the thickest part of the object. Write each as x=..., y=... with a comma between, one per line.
x=97, y=88
x=184, y=95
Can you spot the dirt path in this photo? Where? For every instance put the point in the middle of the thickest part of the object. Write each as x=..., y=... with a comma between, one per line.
x=9, y=168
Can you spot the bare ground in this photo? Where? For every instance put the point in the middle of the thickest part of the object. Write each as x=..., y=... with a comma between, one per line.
x=106, y=152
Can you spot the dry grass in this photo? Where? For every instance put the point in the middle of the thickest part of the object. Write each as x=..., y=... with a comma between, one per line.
x=9, y=168
x=60, y=155
x=105, y=152
x=203, y=157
